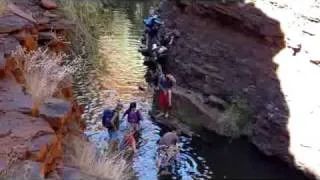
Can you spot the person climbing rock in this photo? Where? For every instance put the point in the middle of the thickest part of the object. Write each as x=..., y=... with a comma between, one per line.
x=134, y=116
x=165, y=85
x=152, y=24
x=128, y=145
x=168, y=148
x=111, y=121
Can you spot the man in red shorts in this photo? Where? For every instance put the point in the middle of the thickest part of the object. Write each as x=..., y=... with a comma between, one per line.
x=165, y=84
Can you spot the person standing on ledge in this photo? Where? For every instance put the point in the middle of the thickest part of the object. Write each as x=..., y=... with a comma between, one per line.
x=165, y=85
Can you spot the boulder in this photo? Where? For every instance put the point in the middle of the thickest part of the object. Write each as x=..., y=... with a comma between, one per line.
x=54, y=110
x=49, y=4
x=23, y=130
x=17, y=128
x=9, y=44
x=29, y=170
x=13, y=98
x=11, y=23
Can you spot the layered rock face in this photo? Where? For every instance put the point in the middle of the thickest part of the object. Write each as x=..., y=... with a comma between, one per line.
x=32, y=147
x=232, y=51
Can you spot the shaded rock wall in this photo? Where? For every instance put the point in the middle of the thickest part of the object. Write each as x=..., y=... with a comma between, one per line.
x=227, y=52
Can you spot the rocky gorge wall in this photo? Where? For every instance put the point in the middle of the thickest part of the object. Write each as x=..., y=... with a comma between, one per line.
x=228, y=53
x=33, y=146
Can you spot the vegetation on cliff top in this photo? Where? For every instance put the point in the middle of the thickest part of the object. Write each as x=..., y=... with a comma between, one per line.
x=84, y=37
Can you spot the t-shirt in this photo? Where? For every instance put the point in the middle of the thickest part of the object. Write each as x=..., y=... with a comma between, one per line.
x=165, y=83
x=169, y=139
x=133, y=116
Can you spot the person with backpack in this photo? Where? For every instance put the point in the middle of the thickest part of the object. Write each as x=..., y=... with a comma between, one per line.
x=165, y=84
x=111, y=121
x=134, y=116
x=152, y=24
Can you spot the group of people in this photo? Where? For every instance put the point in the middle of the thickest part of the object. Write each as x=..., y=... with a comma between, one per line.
x=154, y=50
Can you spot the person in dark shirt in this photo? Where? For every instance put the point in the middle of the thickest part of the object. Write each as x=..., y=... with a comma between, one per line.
x=113, y=130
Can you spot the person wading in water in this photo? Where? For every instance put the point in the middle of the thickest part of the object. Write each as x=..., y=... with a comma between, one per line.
x=111, y=121
x=134, y=116
x=168, y=148
x=128, y=146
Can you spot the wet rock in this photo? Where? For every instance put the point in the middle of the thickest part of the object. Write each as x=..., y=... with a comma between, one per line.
x=54, y=110
x=11, y=23
x=49, y=4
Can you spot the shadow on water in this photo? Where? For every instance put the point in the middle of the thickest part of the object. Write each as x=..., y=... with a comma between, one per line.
x=122, y=71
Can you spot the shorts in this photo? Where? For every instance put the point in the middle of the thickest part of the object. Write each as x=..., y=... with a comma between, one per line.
x=135, y=126
x=113, y=135
x=164, y=100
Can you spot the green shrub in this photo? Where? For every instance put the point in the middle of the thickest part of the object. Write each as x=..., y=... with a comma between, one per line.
x=236, y=120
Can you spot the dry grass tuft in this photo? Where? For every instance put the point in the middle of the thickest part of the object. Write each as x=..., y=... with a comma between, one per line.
x=43, y=73
x=86, y=16
x=85, y=155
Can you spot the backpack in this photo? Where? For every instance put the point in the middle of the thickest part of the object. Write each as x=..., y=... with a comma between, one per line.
x=106, y=118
